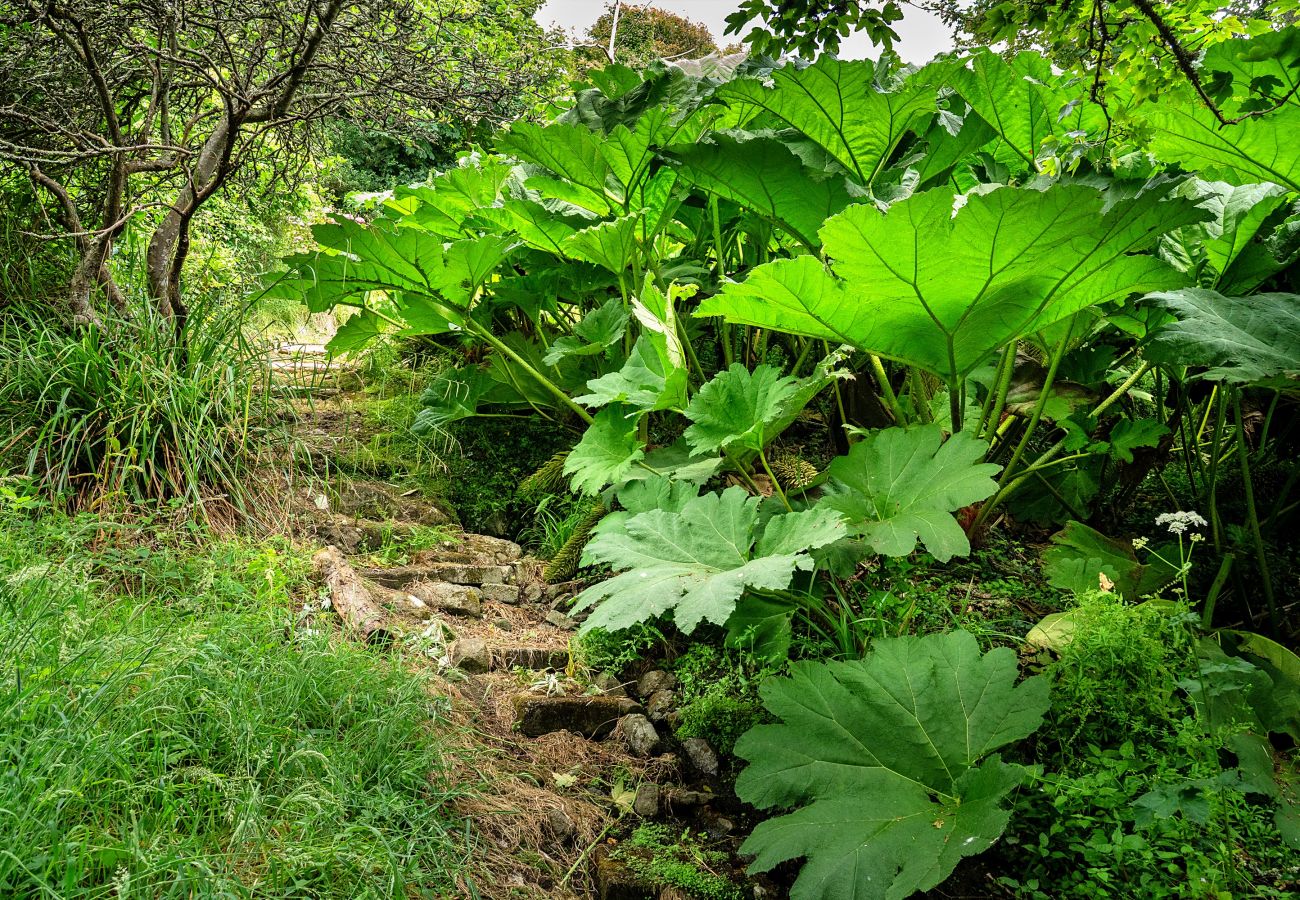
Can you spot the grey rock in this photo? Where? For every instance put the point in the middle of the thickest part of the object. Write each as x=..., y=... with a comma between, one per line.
x=593, y=717
x=660, y=704
x=470, y=655
x=531, y=592
x=655, y=680
x=457, y=599
x=503, y=625
x=471, y=549
x=639, y=736
x=646, y=804
x=560, y=826
x=560, y=620
x=685, y=799
x=501, y=593
x=715, y=824
x=609, y=685
x=701, y=756
x=453, y=573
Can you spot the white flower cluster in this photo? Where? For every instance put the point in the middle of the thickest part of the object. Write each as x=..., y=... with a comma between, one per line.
x=1179, y=522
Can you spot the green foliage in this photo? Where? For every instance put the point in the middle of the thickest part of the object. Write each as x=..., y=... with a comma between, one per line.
x=898, y=486
x=737, y=409
x=667, y=858
x=1242, y=339
x=697, y=561
x=1080, y=555
x=1117, y=677
x=614, y=651
x=890, y=761
x=130, y=414
x=719, y=695
x=165, y=739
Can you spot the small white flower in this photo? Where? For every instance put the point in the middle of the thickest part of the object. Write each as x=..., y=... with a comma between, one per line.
x=1179, y=522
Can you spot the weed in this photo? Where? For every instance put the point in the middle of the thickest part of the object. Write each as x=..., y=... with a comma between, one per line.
x=614, y=651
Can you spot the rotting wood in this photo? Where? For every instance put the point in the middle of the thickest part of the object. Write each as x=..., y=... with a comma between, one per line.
x=350, y=599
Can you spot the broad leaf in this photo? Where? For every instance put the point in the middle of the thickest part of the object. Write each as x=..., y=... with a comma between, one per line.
x=944, y=291
x=737, y=409
x=599, y=330
x=1243, y=340
x=1080, y=555
x=766, y=176
x=611, y=245
x=696, y=562
x=1257, y=149
x=608, y=450
x=839, y=105
x=888, y=760
x=901, y=485
x=646, y=381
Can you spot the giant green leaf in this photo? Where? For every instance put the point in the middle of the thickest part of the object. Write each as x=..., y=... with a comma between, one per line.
x=573, y=153
x=765, y=175
x=1242, y=339
x=737, y=408
x=611, y=245
x=901, y=485
x=943, y=290
x=1023, y=101
x=599, y=330
x=697, y=561
x=608, y=450
x=1256, y=149
x=841, y=106
x=888, y=761
x=1240, y=212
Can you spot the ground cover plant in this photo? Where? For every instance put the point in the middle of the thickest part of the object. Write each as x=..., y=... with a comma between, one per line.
x=169, y=731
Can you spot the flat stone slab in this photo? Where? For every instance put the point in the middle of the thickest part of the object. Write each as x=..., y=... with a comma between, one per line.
x=440, y=596
x=592, y=717
x=475, y=549
x=454, y=573
x=500, y=593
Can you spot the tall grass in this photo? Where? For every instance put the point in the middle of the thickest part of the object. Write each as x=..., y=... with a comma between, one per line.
x=148, y=752
x=130, y=413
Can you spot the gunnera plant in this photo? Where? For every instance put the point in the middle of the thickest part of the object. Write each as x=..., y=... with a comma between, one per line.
x=133, y=412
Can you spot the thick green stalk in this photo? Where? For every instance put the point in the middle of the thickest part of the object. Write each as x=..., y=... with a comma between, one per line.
x=541, y=379
x=1006, y=488
x=1037, y=415
x=886, y=390
x=996, y=401
x=776, y=485
x=1252, y=518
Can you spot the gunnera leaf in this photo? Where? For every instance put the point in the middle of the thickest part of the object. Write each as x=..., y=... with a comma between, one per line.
x=901, y=485
x=1243, y=339
x=888, y=763
x=697, y=560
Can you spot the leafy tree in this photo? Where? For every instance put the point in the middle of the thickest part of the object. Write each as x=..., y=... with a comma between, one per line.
x=644, y=34
x=143, y=111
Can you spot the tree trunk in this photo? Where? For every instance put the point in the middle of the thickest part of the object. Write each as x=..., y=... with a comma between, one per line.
x=351, y=600
x=170, y=241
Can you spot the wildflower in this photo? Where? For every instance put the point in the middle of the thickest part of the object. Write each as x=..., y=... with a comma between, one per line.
x=1179, y=522
x=1140, y=543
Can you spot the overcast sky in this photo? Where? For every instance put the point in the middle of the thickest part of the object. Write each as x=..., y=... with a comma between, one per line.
x=922, y=34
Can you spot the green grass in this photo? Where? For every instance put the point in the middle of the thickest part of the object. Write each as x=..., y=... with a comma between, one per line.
x=128, y=414
x=168, y=730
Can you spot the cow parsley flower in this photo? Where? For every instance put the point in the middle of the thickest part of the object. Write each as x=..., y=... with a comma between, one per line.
x=1179, y=522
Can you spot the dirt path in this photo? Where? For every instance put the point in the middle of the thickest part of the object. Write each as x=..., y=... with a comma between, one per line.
x=563, y=760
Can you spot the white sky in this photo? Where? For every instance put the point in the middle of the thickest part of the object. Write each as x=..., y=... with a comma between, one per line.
x=922, y=34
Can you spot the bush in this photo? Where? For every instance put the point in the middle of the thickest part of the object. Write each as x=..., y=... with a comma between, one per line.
x=130, y=413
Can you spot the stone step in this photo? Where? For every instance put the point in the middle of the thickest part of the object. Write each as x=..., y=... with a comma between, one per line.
x=589, y=716
x=399, y=577
x=538, y=659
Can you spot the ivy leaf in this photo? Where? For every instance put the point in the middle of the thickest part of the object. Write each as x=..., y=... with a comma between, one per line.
x=1243, y=339
x=900, y=485
x=599, y=330
x=736, y=407
x=696, y=562
x=888, y=760
x=607, y=452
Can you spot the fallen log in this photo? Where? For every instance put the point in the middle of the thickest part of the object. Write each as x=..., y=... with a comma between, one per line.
x=350, y=599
